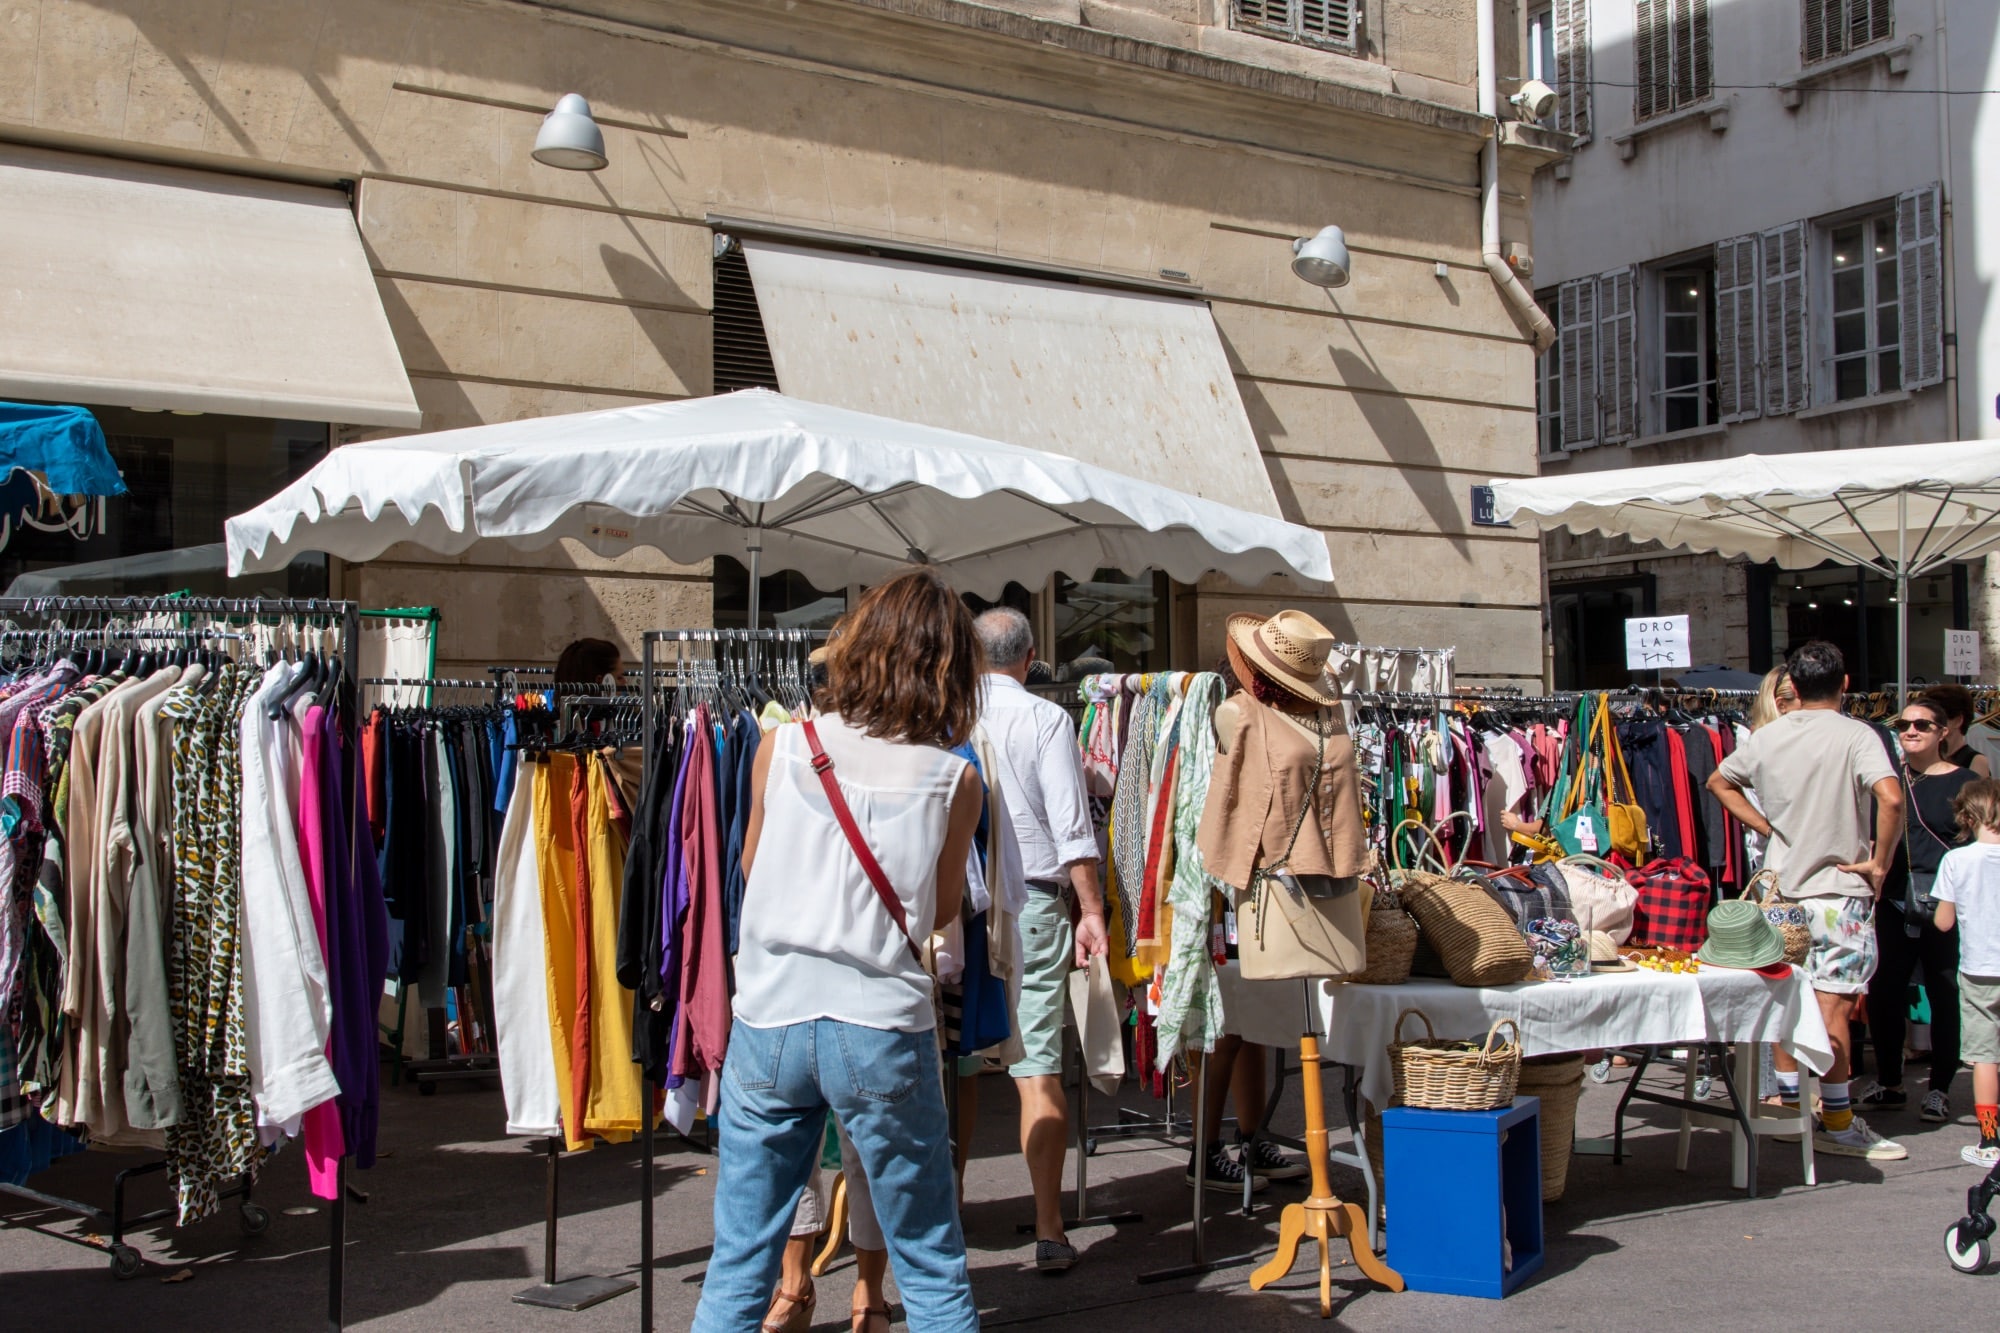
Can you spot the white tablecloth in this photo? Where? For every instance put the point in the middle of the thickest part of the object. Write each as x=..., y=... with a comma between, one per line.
x=1642, y=1008
x=1269, y=1013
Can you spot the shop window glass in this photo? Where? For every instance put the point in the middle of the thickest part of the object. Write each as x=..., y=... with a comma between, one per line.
x=1112, y=622
x=186, y=476
x=1858, y=615
x=1587, y=624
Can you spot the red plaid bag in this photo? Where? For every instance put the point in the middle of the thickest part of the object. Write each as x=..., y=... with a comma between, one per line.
x=1674, y=898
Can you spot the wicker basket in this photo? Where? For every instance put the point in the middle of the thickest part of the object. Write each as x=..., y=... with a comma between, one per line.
x=1558, y=1081
x=1474, y=938
x=1392, y=942
x=1786, y=916
x=1455, y=1075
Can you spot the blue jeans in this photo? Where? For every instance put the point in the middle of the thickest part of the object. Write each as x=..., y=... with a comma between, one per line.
x=887, y=1091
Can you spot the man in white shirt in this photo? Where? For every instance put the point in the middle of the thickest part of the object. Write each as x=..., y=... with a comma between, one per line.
x=1041, y=776
x=1815, y=771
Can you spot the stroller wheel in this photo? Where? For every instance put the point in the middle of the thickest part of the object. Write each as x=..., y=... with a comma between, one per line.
x=1966, y=1258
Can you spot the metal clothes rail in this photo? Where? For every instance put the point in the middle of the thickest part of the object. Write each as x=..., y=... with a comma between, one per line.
x=649, y=703
x=326, y=613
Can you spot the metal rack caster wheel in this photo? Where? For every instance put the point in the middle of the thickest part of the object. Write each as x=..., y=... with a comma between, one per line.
x=427, y=1089
x=125, y=1262
x=1702, y=1087
x=1966, y=1258
x=1601, y=1071
x=1090, y=1147
x=254, y=1218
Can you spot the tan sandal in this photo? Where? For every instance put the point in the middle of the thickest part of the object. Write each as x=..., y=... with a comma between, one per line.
x=861, y=1318
x=798, y=1319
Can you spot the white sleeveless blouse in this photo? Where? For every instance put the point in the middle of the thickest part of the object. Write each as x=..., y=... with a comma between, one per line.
x=816, y=941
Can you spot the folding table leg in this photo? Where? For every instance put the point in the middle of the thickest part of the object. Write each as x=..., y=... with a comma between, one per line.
x=1808, y=1094
x=1687, y=1116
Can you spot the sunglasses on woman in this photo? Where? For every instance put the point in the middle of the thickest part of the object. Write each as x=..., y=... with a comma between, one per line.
x=1913, y=724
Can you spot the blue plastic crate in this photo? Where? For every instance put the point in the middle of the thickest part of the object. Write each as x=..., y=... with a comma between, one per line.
x=1458, y=1182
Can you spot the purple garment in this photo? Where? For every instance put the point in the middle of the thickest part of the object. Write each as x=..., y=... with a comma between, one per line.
x=357, y=954
x=674, y=896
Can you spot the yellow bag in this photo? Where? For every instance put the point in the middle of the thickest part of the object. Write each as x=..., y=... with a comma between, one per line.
x=1627, y=819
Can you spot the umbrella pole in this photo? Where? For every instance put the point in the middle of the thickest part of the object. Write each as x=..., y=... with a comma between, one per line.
x=1902, y=599
x=756, y=582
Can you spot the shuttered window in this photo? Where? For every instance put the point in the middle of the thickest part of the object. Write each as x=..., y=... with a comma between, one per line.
x=1685, y=360
x=1786, y=331
x=1617, y=356
x=1334, y=23
x=1673, y=64
x=742, y=354
x=1577, y=342
x=1549, y=379
x=1834, y=27
x=1920, y=252
x=1572, y=67
x=1737, y=347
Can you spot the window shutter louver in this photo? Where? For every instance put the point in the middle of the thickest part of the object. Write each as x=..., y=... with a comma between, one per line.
x=1649, y=59
x=1694, y=75
x=1737, y=353
x=741, y=351
x=1786, y=361
x=1320, y=22
x=1820, y=18
x=1617, y=355
x=1577, y=321
x=1835, y=27
x=1573, y=91
x=1920, y=272
x=1328, y=20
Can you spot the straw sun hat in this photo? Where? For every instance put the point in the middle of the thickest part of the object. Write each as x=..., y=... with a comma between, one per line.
x=1289, y=650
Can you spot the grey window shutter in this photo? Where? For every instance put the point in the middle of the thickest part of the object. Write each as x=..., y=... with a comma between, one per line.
x=1326, y=20
x=1649, y=59
x=1787, y=333
x=1821, y=18
x=1572, y=20
x=1737, y=354
x=1576, y=304
x=1617, y=355
x=1694, y=58
x=1919, y=246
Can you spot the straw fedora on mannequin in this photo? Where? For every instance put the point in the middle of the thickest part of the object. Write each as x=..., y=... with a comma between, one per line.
x=1288, y=649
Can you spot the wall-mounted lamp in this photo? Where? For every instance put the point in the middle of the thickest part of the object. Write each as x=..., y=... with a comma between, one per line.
x=569, y=138
x=1322, y=259
x=1535, y=100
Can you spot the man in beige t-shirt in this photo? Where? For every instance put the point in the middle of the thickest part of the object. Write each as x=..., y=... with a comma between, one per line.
x=1815, y=771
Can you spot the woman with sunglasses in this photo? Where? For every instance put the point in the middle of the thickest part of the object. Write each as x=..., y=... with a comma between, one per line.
x=1905, y=932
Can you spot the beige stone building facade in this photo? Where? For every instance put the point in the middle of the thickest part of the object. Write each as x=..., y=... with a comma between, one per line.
x=1150, y=144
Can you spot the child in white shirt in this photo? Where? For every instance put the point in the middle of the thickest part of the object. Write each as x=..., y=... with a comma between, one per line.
x=1968, y=896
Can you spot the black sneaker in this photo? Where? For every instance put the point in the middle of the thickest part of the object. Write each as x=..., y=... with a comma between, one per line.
x=1224, y=1174
x=1879, y=1098
x=1266, y=1161
x=1936, y=1109
x=1054, y=1256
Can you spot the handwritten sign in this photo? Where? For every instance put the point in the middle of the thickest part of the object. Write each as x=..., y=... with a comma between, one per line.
x=1961, y=652
x=1657, y=643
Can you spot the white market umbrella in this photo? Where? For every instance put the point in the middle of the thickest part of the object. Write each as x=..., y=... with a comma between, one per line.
x=1903, y=511
x=836, y=495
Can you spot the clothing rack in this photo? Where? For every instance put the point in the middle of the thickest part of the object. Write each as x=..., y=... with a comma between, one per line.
x=649, y=703
x=325, y=612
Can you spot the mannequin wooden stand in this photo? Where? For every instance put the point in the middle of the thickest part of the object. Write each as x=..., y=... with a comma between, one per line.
x=1322, y=1217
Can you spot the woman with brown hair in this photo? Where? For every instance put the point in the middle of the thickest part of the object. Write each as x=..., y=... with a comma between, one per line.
x=869, y=820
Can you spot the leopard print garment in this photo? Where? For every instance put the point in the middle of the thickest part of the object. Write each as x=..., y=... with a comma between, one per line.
x=216, y=1139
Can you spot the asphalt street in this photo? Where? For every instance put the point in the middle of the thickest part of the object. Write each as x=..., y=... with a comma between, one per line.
x=453, y=1227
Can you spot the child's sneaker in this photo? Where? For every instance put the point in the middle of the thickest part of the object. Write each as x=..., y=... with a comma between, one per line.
x=1985, y=1153
x=1857, y=1140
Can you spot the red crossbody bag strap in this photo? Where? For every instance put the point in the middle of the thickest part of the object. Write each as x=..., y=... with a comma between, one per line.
x=870, y=867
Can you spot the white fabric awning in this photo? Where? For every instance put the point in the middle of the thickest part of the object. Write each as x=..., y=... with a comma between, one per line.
x=129, y=285
x=1911, y=507
x=841, y=497
x=1135, y=383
